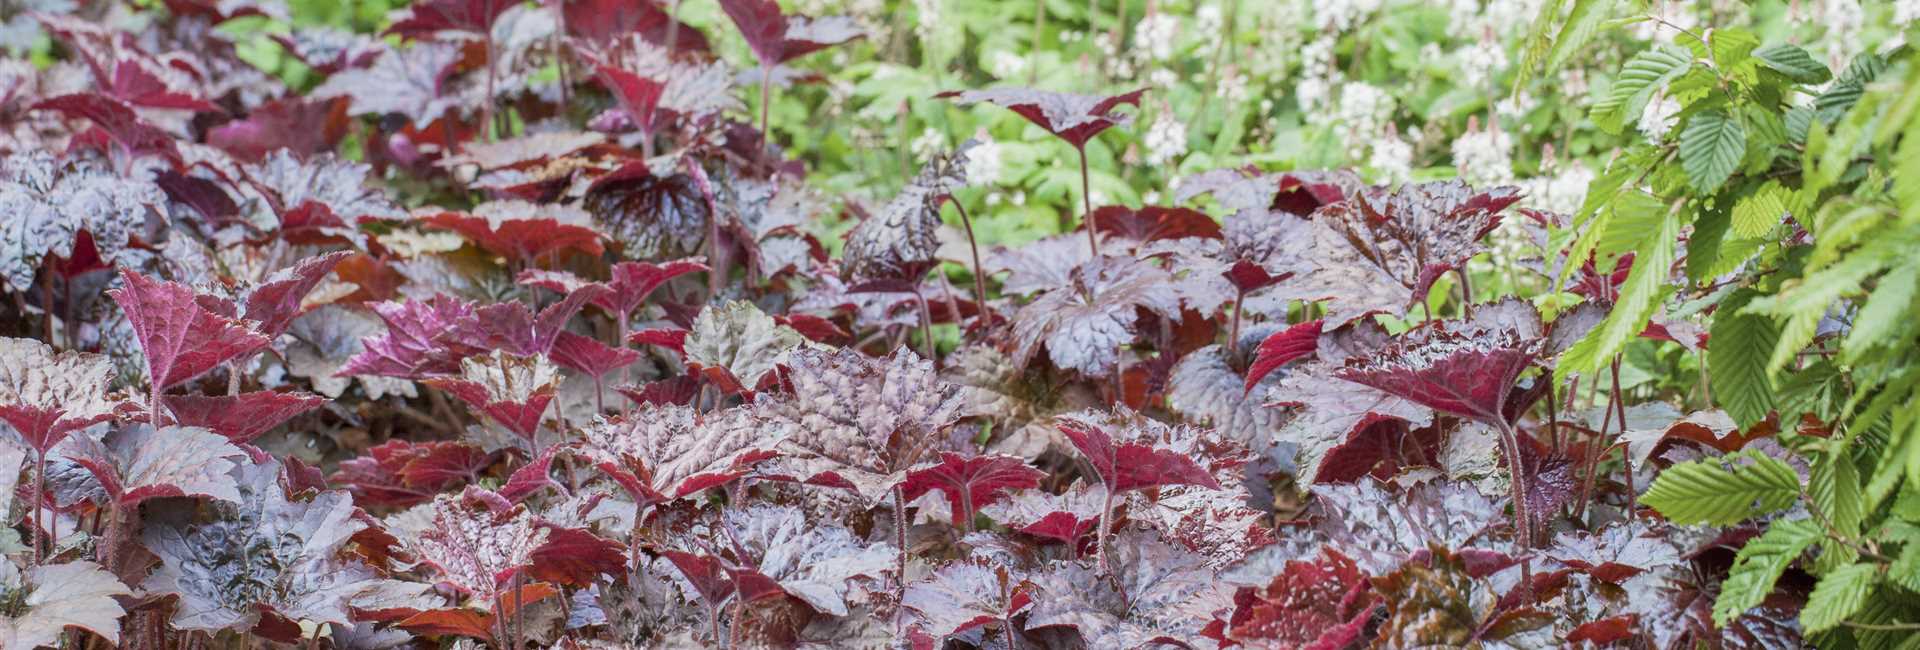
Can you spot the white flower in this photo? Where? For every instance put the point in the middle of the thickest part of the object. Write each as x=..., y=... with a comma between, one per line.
x=1341, y=15
x=1207, y=20
x=929, y=14
x=1843, y=20
x=1562, y=192
x=928, y=144
x=983, y=162
x=1671, y=17
x=1008, y=65
x=1233, y=86
x=1154, y=36
x=1480, y=62
x=1484, y=157
x=1514, y=107
x=1311, y=93
x=1659, y=117
x=1163, y=78
x=1364, y=110
x=1392, y=157
x=1166, y=139
x=1906, y=11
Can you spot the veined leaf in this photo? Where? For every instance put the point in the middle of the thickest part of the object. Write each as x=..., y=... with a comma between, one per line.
x=1723, y=490
x=1788, y=59
x=1710, y=150
x=1645, y=288
x=1644, y=74
x=1760, y=564
x=1835, y=489
x=1838, y=595
x=1737, y=360
x=1884, y=318
x=1760, y=211
x=1580, y=28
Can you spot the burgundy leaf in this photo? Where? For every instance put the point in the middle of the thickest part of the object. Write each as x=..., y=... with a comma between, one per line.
x=513, y=390
x=302, y=127
x=417, y=342
x=474, y=549
x=276, y=301
x=588, y=355
x=531, y=478
x=138, y=462
x=675, y=391
x=1282, y=347
x=1323, y=604
x=180, y=339
x=243, y=417
x=1465, y=369
x=971, y=482
x=521, y=231
x=637, y=95
x=427, y=18
x=862, y=423
x=512, y=327
x=1154, y=222
x=46, y=396
x=1126, y=465
x=576, y=557
x=603, y=21
x=401, y=473
x=632, y=282
x=116, y=119
x=662, y=452
x=672, y=339
x=1159, y=594
x=1061, y=517
x=1074, y=118
x=1083, y=325
x=776, y=38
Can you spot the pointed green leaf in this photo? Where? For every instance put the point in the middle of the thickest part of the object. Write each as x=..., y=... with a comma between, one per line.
x=1760, y=564
x=1838, y=595
x=1795, y=63
x=1737, y=360
x=1710, y=150
x=1723, y=490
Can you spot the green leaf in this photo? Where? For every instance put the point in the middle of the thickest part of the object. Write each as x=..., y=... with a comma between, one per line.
x=1723, y=490
x=1645, y=288
x=1710, y=150
x=1643, y=75
x=1838, y=595
x=1760, y=564
x=1887, y=317
x=1757, y=213
x=1737, y=360
x=1580, y=28
x=1835, y=489
x=1795, y=63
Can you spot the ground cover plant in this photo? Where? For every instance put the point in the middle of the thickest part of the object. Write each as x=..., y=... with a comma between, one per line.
x=932, y=324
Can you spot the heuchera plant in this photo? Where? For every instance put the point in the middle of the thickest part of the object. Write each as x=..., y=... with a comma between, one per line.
x=507, y=324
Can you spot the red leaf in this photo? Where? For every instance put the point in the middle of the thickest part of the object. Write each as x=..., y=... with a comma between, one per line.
x=511, y=327
x=1323, y=604
x=517, y=230
x=116, y=120
x=602, y=21
x=180, y=338
x=476, y=623
x=1464, y=369
x=424, y=19
x=1604, y=632
x=672, y=339
x=971, y=483
x=704, y=572
x=276, y=302
x=305, y=127
x=671, y=391
x=1154, y=223
x=1283, y=346
x=1074, y=118
x=632, y=282
x=532, y=477
x=588, y=355
x=776, y=38
x=1133, y=466
x=242, y=417
x=636, y=95
x=401, y=473
x=575, y=557
x=422, y=339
